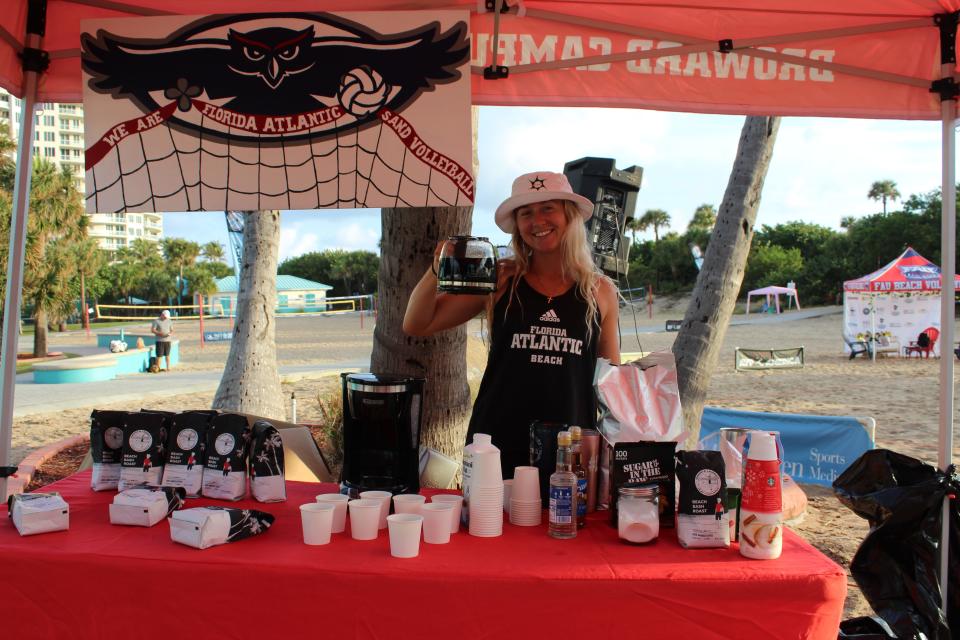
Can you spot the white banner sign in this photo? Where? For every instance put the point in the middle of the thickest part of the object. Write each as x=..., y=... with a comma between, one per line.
x=277, y=111
x=900, y=317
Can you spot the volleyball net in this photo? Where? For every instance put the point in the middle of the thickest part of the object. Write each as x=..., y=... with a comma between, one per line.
x=226, y=308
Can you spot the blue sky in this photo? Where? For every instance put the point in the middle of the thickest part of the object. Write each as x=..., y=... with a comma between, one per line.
x=821, y=171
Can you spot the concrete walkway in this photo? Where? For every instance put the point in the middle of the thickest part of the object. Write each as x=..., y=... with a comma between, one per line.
x=31, y=398
x=644, y=324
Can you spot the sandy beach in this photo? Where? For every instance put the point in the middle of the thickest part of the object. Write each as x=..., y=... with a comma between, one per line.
x=901, y=394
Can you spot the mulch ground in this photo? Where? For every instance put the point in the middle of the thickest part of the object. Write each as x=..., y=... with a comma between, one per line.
x=59, y=466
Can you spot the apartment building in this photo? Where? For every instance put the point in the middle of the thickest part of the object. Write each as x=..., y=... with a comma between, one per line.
x=58, y=137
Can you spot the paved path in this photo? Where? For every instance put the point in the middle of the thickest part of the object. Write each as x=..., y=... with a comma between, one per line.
x=31, y=398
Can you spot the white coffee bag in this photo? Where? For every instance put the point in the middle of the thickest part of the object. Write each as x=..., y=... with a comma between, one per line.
x=145, y=507
x=34, y=513
x=205, y=527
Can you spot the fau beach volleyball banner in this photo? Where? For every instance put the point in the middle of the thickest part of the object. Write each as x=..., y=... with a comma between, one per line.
x=278, y=111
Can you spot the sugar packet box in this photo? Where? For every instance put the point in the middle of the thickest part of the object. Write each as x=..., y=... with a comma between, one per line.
x=645, y=462
x=106, y=448
x=267, y=479
x=225, y=469
x=34, y=513
x=144, y=450
x=185, y=451
x=205, y=527
x=145, y=506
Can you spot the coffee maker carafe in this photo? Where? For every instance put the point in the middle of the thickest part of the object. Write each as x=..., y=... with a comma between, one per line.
x=381, y=433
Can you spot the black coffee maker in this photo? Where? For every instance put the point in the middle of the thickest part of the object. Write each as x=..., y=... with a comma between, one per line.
x=381, y=433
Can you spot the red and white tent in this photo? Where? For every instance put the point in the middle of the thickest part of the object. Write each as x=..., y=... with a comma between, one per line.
x=856, y=58
x=899, y=300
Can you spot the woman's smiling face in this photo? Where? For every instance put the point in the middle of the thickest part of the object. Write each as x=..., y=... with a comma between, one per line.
x=542, y=224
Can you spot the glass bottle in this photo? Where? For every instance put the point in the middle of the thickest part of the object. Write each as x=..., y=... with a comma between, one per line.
x=563, y=493
x=581, y=473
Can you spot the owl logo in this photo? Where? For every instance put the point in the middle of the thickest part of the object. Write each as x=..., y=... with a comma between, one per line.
x=276, y=64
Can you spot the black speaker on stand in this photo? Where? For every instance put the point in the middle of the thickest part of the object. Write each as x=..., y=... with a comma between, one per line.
x=614, y=192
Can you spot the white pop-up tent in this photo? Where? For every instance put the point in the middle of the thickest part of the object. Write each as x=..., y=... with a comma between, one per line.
x=773, y=292
x=858, y=58
x=899, y=300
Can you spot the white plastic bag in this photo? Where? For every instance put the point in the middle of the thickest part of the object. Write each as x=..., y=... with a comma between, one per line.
x=640, y=400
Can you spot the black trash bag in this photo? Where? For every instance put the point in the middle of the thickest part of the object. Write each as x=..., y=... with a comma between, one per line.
x=896, y=565
x=865, y=628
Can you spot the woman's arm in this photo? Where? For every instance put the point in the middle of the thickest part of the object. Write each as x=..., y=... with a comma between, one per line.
x=609, y=307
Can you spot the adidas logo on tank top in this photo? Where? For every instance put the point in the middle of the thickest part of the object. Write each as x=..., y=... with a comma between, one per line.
x=550, y=316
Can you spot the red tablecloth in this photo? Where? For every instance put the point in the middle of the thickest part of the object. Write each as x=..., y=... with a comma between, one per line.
x=99, y=580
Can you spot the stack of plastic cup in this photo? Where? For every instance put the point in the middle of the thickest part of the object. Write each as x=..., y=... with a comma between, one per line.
x=339, y=501
x=526, y=508
x=486, y=494
x=384, y=498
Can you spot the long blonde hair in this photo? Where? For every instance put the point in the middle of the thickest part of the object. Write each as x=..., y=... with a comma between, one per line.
x=577, y=263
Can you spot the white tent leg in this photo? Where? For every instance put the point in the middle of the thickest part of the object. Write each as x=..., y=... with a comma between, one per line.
x=18, y=241
x=948, y=256
x=872, y=342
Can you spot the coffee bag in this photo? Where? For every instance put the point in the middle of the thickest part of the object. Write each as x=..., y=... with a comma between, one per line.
x=225, y=469
x=106, y=448
x=144, y=450
x=186, y=448
x=145, y=506
x=645, y=462
x=702, y=520
x=267, y=481
x=34, y=513
x=205, y=527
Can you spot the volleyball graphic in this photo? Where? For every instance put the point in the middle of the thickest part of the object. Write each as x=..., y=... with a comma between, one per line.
x=363, y=91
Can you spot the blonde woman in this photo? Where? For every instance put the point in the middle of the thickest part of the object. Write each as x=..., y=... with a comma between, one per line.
x=552, y=315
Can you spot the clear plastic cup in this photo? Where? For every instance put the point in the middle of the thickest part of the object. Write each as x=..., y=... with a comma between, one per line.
x=364, y=519
x=316, y=519
x=339, y=501
x=408, y=503
x=436, y=522
x=404, y=531
x=384, y=498
x=457, y=502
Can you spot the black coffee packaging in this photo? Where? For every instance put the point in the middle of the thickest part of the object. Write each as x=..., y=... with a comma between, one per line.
x=543, y=452
x=702, y=520
x=225, y=470
x=144, y=449
x=205, y=527
x=267, y=482
x=185, y=451
x=106, y=448
x=644, y=463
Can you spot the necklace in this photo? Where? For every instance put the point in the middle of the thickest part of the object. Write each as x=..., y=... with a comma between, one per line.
x=537, y=280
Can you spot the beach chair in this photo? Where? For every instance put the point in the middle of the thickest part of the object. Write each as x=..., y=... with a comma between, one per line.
x=923, y=345
x=857, y=347
x=885, y=345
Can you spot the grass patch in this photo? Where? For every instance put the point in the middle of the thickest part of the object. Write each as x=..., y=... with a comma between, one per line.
x=27, y=367
x=29, y=329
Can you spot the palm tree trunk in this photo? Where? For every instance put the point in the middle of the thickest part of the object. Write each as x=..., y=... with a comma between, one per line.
x=409, y=238
x=40, y=333
x=251, y=380
x=697, y=347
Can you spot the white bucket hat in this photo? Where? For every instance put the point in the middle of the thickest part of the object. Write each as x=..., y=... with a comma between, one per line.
x=165, y=314
x=539, y=186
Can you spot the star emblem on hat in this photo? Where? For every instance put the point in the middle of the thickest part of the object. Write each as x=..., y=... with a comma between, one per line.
x=537, y=184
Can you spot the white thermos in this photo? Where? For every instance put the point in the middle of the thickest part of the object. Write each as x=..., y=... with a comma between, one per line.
x=761, y=508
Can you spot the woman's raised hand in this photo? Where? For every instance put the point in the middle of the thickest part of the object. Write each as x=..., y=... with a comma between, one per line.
x=506, y=269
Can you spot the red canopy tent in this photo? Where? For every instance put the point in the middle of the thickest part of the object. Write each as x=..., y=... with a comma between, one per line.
x=857, y=58
x=910, y=271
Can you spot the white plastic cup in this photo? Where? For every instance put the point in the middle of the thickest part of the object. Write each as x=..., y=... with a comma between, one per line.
x=384, y=498
x=317, y=520
x=486, y=470
x=404, y=531
x=364, y=519
x=507, y=491
x=436, y=522
x=457, y=502
x=339, y=502
x=526, y=484
x=408, y=503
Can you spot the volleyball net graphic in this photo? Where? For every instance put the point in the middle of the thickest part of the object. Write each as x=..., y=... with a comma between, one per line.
x=237, y=161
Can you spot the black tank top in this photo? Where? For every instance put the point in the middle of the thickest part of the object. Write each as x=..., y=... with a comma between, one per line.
x=540, y=367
